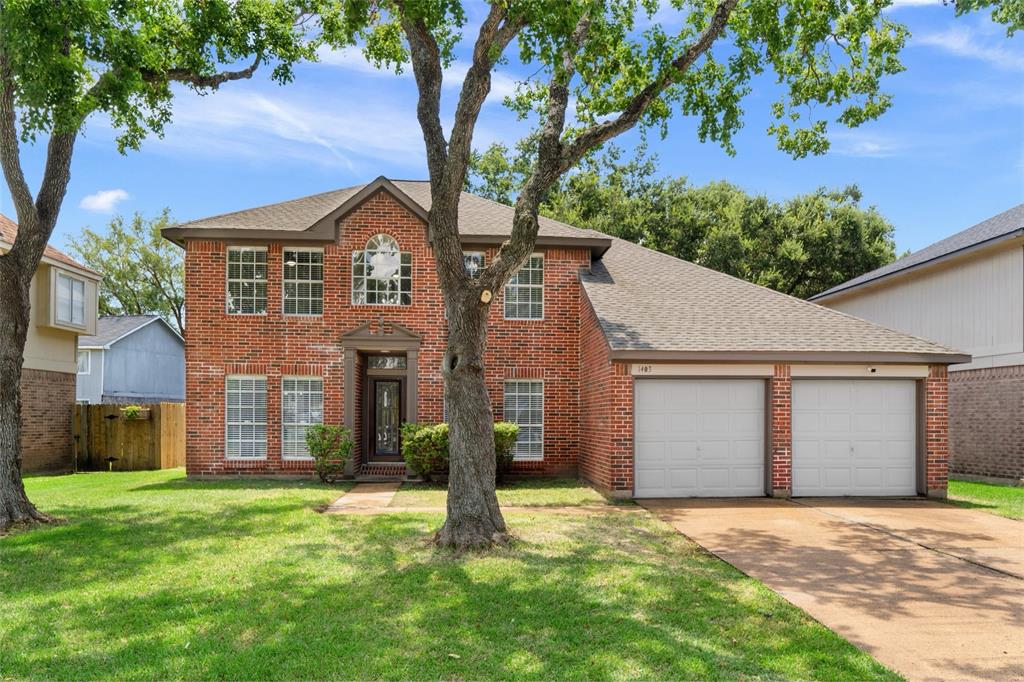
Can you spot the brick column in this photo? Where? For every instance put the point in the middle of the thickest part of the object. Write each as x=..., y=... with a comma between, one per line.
x=781, y=417
x=936, y=430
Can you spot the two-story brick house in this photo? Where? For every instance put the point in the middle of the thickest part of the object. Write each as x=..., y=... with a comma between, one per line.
x=644, y=374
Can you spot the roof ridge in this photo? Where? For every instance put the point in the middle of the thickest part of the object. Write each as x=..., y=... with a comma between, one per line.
x=775, y=292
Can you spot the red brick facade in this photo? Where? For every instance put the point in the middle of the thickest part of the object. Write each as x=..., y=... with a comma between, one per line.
x=781, y=431
x=276, y=345
x=986, y=429
x=588, y=395
x=47, y=409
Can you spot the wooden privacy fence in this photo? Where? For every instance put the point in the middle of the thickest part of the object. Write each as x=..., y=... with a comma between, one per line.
x=155, y=439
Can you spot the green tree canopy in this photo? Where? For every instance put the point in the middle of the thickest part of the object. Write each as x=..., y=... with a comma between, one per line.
x=801, y=246
x=143, y=273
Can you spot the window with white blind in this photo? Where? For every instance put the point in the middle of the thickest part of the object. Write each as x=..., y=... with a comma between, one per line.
x=302, y=405
x=524, y=293
x=84, y=362
x=70, y=299
x=524, y=405
x=246, y=417
x=247, y=280
x=303, y=282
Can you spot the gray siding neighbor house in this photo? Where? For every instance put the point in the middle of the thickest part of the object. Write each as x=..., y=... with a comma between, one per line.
x=131, y=359
x=965, y=291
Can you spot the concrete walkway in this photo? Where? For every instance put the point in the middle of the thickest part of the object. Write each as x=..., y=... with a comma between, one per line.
x=365, y=497
x=933, y=591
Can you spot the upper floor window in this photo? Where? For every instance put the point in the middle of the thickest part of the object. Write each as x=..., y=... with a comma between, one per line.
x=247, y=280
x=474, y=261
x=84, y=362
x=303, y=282
x=524, y=293
x=70, y=299
x=381, y=274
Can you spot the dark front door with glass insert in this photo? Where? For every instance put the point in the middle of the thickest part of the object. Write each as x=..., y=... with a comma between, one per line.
x=385, y=419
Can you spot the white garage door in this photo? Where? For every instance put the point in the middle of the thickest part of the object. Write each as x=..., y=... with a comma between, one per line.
x=854, y=437
x=699, y=438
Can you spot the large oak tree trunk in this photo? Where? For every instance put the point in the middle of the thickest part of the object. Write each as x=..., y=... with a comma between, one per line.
x=14, y=319
x=474, y=519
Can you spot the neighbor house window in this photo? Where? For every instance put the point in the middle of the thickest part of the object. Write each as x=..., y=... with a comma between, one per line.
x=474, y=262
x=302, y=405
x=303, y=282
x=381, y=274
x=524, y=293
x=246, y=417
x=84, y=362
x=524, y=405
x=70, y=299
x=247, y=280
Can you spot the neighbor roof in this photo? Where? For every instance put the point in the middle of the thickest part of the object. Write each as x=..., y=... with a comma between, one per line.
x=480, y=219
x=9, y=232
x=1006, y=225
x=112, y=328
x=654, y=306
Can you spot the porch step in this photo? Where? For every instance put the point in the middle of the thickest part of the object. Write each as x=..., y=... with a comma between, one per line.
x=368, y=473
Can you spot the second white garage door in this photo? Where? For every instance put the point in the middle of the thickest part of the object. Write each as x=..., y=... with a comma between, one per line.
x=699, y=438
x=854, y=437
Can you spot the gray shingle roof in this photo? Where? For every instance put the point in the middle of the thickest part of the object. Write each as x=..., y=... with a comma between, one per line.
x=649, y=301
x=477, y=216
x=112, y=327
x=1003, y=225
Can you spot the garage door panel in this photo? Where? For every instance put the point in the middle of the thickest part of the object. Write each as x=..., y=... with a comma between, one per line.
x=714, y=422
x=681, y=423
x=723, y=451
x=854, y=437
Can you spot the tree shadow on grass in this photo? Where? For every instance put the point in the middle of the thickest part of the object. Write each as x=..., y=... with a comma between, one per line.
x=365, y=597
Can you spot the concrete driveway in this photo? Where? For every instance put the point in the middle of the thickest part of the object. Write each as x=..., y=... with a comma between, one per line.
x=933, y=591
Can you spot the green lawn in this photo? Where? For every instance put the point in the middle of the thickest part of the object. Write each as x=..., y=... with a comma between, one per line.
x=157, y=577
x=1003, y=500
x=539, y=492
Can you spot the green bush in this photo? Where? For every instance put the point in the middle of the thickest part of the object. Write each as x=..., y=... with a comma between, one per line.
x=331, y=447
x=505, y=435
x=425, y=448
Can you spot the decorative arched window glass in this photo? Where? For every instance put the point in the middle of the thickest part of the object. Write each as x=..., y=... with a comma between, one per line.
x=381, y=274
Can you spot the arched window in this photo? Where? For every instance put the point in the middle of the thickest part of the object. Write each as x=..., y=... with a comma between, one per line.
x=381, y=274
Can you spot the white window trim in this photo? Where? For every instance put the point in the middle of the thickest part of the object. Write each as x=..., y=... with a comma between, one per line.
x=543, y=293
x=227, y=280
x=352, y=275
x=543, y=391
x=284, y=280
x=56, y=300
x=266, y=427
x=297, y=458
x=88, y=362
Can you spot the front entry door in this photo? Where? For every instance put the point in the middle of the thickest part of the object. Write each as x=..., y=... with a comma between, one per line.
x=385, y=419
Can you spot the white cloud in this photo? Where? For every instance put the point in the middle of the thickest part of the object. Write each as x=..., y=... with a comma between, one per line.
x=352, y=59
x=963, y=41
x=268, y=127
x=863, y=144
x=897, y=4
x=104, y=201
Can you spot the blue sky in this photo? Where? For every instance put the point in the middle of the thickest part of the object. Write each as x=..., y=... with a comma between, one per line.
x=949, y=153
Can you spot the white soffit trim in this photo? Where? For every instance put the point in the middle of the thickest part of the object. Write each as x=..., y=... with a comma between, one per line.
x=868, y=371
x=702, y=370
